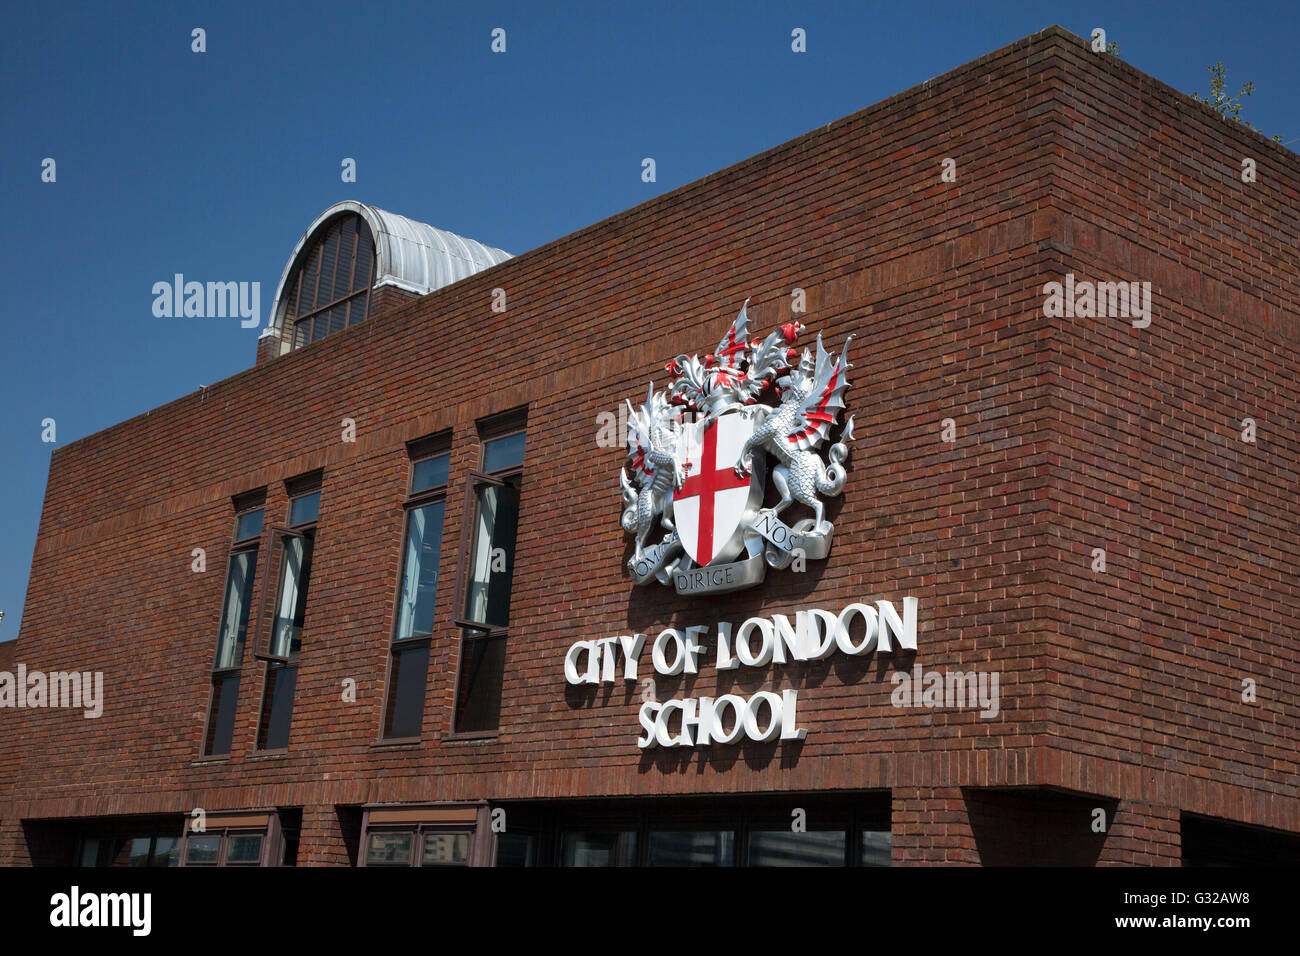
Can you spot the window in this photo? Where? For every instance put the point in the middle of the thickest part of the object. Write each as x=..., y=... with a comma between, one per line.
x=516, y=849
x=295, y=575
x=248, y=525
x=389, y=849
x=304, y=509
x=234, y=618
x=331, y=289
x=585, y=848
x=432, y=848
x=297, y=544
x=409, y=657
x=874, y=849
x=155, y=851
x=203, y=851
x=848, y=830
x=240, y=574
x=492, y=508
x=224, y=848
x=239, y=838
x=692, y=848
x=788, y=848
x=88, y=856
x=445, y=849
x=409, y=835
x=125, y=841
x=244, y=849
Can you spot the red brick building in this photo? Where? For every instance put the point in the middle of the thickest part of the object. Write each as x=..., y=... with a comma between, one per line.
x=1077, y=503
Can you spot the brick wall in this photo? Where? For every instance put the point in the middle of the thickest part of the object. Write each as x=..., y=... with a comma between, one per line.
x=1108, y=683
x=1198, y=526
x=9, y=745
x=382, y=300
x=931, y=827
x=1029, y=827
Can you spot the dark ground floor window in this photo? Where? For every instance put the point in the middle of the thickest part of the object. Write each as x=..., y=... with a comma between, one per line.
x=146, y=850
x=692, y=848
x=812, y=848
x=1211, y=842
x=595, y=848
x=516, y=849
x=875, y=848
x=237, y=838
x=841, y=830
x=155, y=851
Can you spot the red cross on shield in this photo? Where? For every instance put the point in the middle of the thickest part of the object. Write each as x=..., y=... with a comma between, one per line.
x=712, y=508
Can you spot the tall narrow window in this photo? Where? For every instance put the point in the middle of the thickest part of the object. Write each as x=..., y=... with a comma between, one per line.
x=409, y=660
x=240, y=574
x=493, y=512
x=297, y=542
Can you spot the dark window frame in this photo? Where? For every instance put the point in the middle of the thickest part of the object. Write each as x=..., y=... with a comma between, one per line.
x=418, y=827
x=109, y=848
x=275, y=664
x=505, y=425
x=152, y=857
x=417, y=832
x=246, y=504
x=841, y=814
x=418, y=452
x=272, y=848
x=476, y=480
x=624, y=857
x=279, y=534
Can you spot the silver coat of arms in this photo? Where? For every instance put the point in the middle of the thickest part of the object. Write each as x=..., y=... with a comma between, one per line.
x=698, y=455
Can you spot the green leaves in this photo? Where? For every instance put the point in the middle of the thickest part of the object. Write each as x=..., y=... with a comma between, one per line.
x=1218, y=98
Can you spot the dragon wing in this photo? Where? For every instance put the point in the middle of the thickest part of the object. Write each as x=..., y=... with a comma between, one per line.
x=769, y=358
x=729, y=356
x=825, y=399
x=638, y=438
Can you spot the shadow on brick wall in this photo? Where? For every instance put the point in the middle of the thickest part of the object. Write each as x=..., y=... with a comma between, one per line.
x=1035, y=827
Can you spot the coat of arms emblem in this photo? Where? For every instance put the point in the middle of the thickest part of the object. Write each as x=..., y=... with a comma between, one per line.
x=698, y=461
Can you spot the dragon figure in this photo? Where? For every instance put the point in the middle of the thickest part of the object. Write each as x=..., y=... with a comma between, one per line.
x=656, y=471
x=811, y=396
x=721, y=381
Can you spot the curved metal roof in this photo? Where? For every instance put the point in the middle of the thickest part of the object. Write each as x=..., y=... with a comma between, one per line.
x=411, y=255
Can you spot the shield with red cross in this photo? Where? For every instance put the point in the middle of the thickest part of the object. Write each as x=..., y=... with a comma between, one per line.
x=713, y=507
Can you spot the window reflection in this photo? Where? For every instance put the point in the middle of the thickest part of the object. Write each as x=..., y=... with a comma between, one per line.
x=692, y=848
x=493, y=555
x=292, y=607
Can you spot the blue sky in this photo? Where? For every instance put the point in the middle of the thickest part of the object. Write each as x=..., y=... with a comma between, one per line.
x=213, y=164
